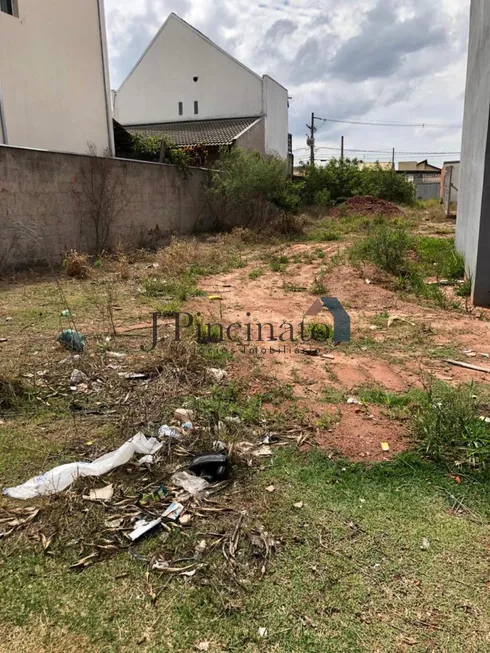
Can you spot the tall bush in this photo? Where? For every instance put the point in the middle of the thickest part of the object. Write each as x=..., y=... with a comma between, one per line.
x=249, y=190
x=342, y=179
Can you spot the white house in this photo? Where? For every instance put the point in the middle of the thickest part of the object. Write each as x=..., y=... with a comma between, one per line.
x=54, y=81
x=187, y=87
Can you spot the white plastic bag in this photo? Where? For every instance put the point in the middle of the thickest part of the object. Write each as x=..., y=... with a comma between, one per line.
x=61, y=477
x=189, y=482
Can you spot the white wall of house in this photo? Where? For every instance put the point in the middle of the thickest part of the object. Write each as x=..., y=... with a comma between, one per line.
x=164, y=77
x=54, y=77
x=276, y=117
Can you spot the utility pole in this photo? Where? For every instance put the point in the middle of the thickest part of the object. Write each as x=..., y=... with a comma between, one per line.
x=342, y=148
x=311, y=140
x=393, y=160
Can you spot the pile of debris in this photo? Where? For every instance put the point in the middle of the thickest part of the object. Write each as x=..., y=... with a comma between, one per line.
x=365, y=205
x=172, y=483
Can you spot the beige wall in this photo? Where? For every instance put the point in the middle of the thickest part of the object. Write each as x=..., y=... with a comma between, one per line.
x=165, y=76
x=276, y=117
x=53, y=77
x=44, y=202
x=253, y=138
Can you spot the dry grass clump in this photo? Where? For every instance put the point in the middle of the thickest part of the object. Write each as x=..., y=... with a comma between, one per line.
x=288, y=224
x=12, y=392
x=123, y=264
x=190, y=255
x=77, y=265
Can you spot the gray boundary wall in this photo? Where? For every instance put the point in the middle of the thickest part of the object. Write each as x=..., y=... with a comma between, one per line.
x=473, y=218
x=45, y=198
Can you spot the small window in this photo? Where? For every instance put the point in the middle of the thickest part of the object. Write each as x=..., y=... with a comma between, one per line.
x=196, y=107
x=8, y=6
x=181, y=108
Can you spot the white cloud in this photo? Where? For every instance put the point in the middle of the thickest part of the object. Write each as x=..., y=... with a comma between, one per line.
x=373, y=60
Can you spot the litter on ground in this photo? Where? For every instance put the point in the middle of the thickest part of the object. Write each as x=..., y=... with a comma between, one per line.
x=192, y=484
x=59, y=478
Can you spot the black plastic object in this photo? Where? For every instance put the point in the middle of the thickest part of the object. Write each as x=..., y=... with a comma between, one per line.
x=211, y=466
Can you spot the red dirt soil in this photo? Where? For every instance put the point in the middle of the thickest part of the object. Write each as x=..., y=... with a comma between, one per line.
x=359, y=435
x=384, y=364
x=366, y=205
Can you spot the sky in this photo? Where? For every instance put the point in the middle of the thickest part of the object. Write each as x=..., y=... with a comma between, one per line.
x=381, y=61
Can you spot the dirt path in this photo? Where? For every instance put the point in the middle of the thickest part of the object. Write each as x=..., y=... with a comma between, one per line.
x=395, y=357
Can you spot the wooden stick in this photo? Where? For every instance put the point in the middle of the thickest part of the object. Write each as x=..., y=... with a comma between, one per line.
x=476, y=368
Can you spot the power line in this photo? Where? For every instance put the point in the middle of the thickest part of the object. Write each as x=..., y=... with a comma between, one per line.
x=388, y=124
x=324, y=147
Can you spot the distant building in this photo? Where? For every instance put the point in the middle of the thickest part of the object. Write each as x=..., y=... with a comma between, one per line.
x=187, y=88
x=425, y=177
x=421, y=172
x=385, y=165
x=54, y=80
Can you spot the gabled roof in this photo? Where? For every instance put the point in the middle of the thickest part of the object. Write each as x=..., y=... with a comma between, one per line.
x=174, y=16
x=197, y=132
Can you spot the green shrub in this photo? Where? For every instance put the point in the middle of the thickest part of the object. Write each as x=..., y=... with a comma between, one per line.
x=340, y=179
x=387, y=247
x=323, y=198
x=250, y=190
x=387, y=185
x=147, y=148
x=449, y=428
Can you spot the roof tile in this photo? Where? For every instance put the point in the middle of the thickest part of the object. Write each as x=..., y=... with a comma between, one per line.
x=196, y=132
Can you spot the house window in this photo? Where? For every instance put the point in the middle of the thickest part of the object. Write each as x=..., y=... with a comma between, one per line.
x=8, y=7
x=196, y=107
x=181, y=108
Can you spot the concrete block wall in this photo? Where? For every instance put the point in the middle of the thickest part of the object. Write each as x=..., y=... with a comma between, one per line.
x=45, y=198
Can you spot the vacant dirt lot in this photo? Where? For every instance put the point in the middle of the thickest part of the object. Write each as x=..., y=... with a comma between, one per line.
x=366, y=556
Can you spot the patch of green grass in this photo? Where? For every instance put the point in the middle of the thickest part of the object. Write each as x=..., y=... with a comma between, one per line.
x=207, y=332
x=180, y=289
x=392, y=400
x=325, y=235
x=415, y=284
x=438, y=257
x=333, y=395
x=256, y=273
x=317, y=332
x=381, y=319
x=228, y=401
x=318, y=287
x=464, y=290
x=287, y=286
x=347, y=571
x=173, y=306
x=449, y=427
x=215, y=354
x=278, y=263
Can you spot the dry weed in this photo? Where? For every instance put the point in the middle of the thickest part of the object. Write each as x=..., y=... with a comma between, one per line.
x=77, y=265
x=185, y=255
x=124, y=273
